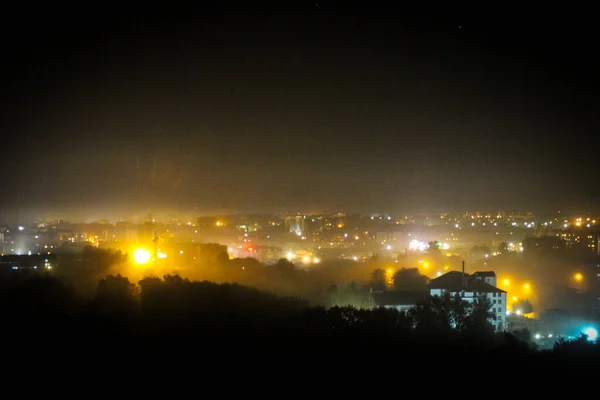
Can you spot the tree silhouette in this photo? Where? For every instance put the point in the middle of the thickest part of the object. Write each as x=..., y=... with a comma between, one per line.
x=446, y=313
x=378, y=281
x=503, y=247
x=222, y=258
x=478, y=325
x=440, y=314
x=332, y=294
x=433, y=248
x=115, y=307
x=522, y=334
x=409, y=279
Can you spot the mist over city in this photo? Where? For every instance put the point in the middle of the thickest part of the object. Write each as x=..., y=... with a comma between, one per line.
x=299, y=181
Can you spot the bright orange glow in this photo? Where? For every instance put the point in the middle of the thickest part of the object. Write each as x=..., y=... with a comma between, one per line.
x=515, y=298
x=578, y=277
x=141, y=256
x=527, y=286
x=389, y=271
x=506, y=282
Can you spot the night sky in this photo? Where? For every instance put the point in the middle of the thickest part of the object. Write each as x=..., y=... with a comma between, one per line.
x=300, y=108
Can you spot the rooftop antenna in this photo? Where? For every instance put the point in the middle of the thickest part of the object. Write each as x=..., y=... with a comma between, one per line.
x=464, y=278
x=155, y=240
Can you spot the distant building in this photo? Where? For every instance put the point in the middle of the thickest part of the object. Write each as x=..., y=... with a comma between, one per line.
x=205, y=223
x=545, y=245
x=147, y=232
x=208, y=252
x=295, y=224
x=268, y=253
x=580, y=241
x=472, y=287
x=127, y=232
x=27, y=262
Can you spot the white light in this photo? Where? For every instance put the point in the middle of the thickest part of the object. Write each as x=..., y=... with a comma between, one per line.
x=518, y=312
x=439, y=274
x=355, y=258
x=549, y=335
x=456, y=226
x=388, y=247
x=297, y=233
x=591, y=333
x=415, y=245
x=389, y=218
x=21, y=228
x=316, y=260
x=180, y=251
x=290, y=255
x=537, y=336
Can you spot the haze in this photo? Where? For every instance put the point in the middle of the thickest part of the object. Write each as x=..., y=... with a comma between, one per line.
x=307, y=108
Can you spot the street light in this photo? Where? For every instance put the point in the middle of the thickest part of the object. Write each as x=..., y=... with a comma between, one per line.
x=141, y=256
x=578, y=277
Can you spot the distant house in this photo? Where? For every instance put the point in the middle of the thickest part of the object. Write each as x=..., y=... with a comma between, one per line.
x=401, y=300
x=472, y=287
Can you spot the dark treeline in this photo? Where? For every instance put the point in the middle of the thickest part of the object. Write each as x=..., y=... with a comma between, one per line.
x=176, y=317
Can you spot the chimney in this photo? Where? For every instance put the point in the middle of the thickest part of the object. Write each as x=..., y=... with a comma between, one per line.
x=464, y=278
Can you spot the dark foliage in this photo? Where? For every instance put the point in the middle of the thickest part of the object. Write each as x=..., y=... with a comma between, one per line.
x=182, y=319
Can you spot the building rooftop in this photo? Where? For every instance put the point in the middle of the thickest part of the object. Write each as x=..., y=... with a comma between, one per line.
x=485, y=274
x=453, y=282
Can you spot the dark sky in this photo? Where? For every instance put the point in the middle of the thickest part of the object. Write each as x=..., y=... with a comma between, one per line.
x=304, y=107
